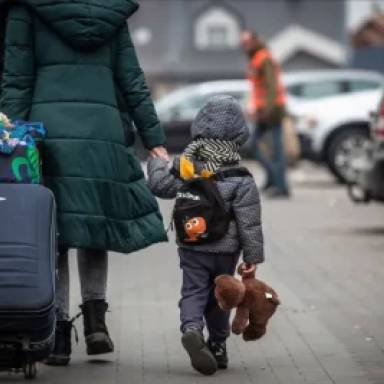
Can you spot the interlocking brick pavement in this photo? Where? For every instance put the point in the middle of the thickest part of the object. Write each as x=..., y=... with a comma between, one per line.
x=325, y=258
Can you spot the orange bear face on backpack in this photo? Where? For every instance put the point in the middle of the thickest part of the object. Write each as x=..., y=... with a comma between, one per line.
x=195, y=228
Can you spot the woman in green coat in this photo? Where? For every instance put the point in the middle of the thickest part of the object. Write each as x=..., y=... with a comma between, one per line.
x=72, y=65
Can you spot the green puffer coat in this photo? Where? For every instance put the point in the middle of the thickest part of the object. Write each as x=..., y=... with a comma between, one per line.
x=72, y=65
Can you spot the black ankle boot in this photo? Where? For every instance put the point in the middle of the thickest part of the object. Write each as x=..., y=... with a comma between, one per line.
x=61, y=353
x=219, y=350
x=95, y=330
x=202, y=359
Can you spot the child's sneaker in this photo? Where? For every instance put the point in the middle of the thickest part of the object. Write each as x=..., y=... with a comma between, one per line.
x=201, y=357
x=219, y=351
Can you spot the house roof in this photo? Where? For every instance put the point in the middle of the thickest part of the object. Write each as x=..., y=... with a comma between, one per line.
x=296, y=38
x=291, y=27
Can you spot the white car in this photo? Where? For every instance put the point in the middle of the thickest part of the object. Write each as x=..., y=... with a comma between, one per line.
x=331, y=110
x=337, y=124
x=369, y=181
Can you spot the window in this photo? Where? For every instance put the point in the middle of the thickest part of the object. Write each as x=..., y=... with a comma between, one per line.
x=317, y=90
x=295, y=90
x=187, y=108
x=217, y=29
x=240, y=96
x=363, y=85
x=323, y=89
x=217, y=36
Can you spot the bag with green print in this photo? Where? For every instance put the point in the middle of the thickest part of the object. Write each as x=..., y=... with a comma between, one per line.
x=20, y=160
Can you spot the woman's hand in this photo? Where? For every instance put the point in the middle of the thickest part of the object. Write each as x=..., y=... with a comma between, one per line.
x=246, y=270
x=160, y=152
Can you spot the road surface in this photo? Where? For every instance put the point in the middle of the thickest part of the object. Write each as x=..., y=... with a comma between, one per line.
x=325, y=257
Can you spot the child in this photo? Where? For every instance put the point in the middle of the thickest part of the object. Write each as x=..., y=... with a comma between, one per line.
x=218, y=132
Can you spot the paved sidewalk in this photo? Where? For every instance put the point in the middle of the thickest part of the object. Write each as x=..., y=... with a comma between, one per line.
x=324, y=257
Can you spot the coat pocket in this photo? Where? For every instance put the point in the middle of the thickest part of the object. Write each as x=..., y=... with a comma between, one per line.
x=129, y=132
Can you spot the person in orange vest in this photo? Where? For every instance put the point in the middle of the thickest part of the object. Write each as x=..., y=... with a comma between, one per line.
x=267, y=109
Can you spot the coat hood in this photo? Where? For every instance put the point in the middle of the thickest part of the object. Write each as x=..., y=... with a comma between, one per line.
x=85, y=24
x=221, y=118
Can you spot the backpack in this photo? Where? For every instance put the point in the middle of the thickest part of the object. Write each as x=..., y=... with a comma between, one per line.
x=199, y=214
x=20, y=160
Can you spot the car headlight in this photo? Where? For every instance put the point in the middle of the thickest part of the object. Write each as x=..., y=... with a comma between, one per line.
x=305, y=124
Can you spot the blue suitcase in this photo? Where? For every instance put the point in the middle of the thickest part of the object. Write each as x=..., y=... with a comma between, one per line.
x=27, y=276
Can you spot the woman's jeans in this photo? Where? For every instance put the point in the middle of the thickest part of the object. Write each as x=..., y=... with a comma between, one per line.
x=275, y=167
x=93, y=271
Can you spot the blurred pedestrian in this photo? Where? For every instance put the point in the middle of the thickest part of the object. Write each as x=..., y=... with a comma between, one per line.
x=218, y=132
x=267, y=109
x=72, y=65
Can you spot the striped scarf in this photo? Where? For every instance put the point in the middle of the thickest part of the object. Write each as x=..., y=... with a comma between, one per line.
x=211, y=154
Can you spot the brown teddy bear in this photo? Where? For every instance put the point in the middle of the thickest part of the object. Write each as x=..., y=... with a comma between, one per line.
x=255, y=303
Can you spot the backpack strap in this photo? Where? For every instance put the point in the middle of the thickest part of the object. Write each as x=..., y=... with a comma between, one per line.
x=233, y=172
x=175, y=172
x=221, y=175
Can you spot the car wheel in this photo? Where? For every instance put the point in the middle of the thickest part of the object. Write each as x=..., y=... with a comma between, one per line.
x=345, y=151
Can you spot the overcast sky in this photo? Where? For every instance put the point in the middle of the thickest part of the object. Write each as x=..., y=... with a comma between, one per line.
x=360, y=10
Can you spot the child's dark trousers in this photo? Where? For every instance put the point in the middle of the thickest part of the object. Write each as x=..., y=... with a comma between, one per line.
x=198, y=301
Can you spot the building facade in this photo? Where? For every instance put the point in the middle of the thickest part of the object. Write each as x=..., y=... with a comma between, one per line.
x=182, y=41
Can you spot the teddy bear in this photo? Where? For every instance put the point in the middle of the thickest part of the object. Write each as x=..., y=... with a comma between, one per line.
x=254, y=300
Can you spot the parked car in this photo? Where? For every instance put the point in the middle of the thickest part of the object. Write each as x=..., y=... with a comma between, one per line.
x=178, y=109
x=338, y=130
x=331, y=110
x=369, y=184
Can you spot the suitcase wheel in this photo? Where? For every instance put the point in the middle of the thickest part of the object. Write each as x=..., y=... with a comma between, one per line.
x=30, y=371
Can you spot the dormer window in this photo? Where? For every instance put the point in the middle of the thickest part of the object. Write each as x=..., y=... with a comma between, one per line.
x=217, y=29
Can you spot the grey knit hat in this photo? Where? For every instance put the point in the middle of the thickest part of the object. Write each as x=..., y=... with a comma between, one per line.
x=221, y=118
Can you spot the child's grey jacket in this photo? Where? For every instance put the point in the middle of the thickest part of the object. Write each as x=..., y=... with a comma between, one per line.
x=239, y=193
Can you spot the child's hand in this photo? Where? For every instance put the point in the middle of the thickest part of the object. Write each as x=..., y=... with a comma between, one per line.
x=246, y=270
x=160, y=152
